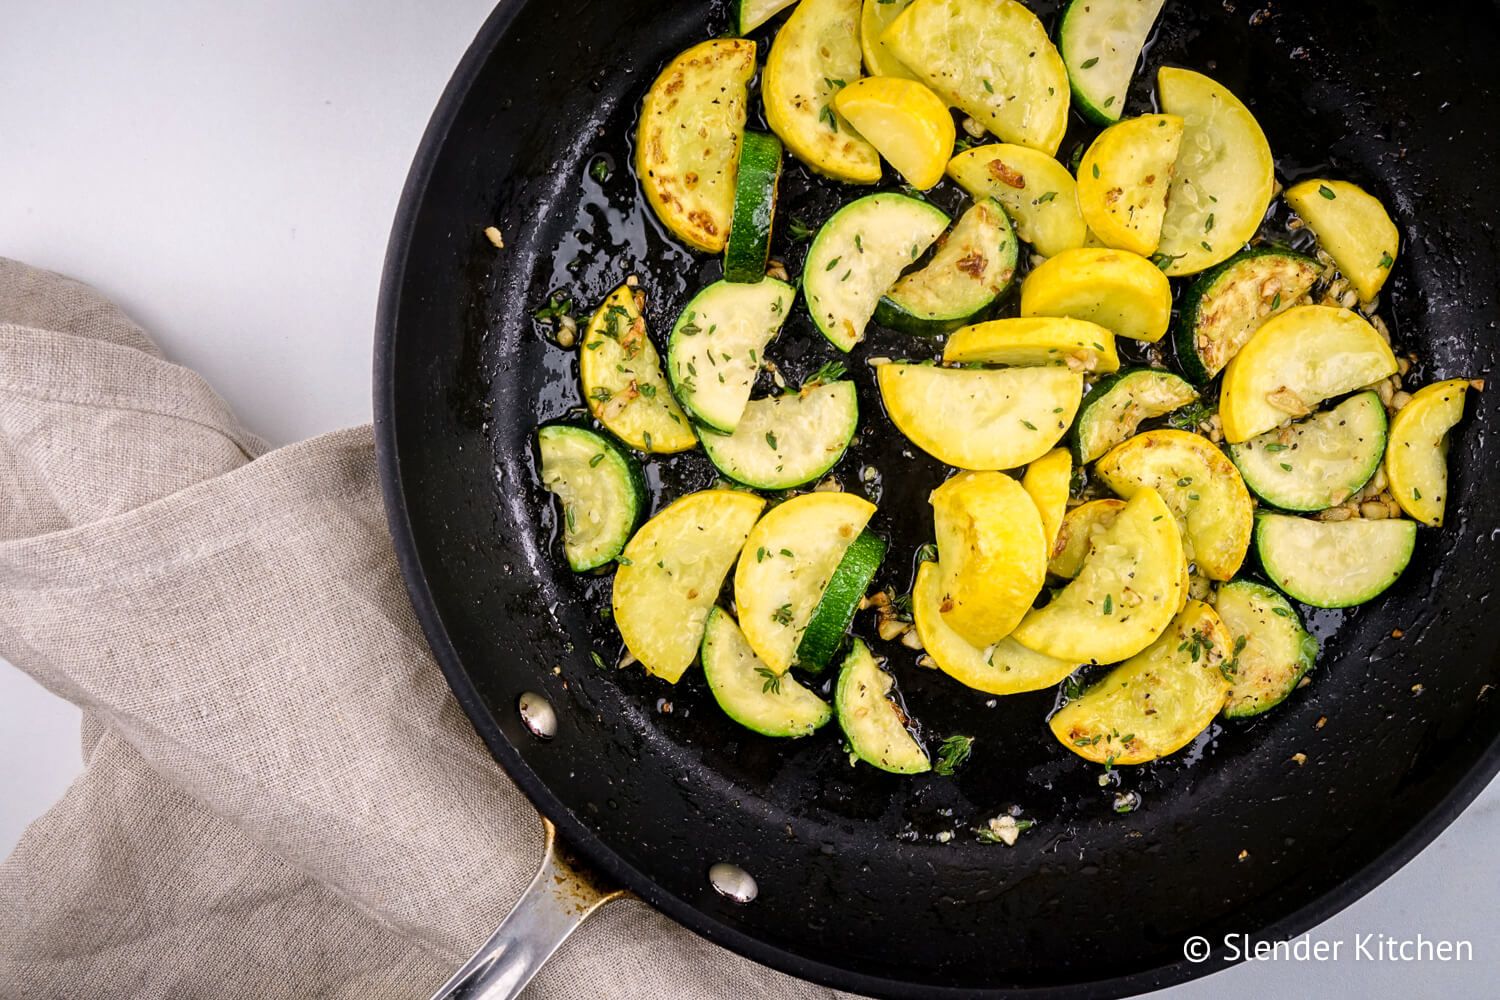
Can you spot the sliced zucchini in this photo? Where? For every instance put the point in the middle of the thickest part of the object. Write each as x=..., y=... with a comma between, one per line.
x=993, y=60
x=754, y=13
x=874, y=19
x=1156, y=702
x=857, y=256
x=1130, y=586
x=671, y=572
x=1116, y=405
x=687, y=148
x=977, y=419
x=601, y=490
x=749, y=693
x=789, y=440
x=872, y=723
x=718, y=344
x=1224, y=175
x=1030, y=341
x=1201, y=486
x=1223, y=308
x=1333, y=564
x=993, y=550
x=1353, y=227
x=1123, y=181
x=1038, y=193
x=1116, y=289
x=622, y=379
x=1272, y=651
x=1294, y=362
x=1319, y=462
x=841, y=598
x=1082, y=526
x=907, y=124
x=749, y=245
x=786, y=565
x=1417, y=461
x=1007, y=667
x=816, y=53
x=1047, y=481
x=973, y=266
x=1100, y=42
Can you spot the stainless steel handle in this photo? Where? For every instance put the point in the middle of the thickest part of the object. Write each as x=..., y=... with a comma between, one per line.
x=563, y=895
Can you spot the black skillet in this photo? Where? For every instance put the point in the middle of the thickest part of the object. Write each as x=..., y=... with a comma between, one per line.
x=856, y=886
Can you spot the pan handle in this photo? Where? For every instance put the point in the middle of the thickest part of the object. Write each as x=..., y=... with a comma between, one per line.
x=562, y=896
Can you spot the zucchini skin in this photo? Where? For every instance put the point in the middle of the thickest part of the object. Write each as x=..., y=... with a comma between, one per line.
x=1190, y=313
x=1260, y=480
x=1098, y=395
x=635, y=485
x=748, y=248
x=830, y=621
x=1305, y=658
x=891, y=312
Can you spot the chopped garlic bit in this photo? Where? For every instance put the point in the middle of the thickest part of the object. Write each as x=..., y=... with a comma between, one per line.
x=493, y=234
x=1299, y=758
x=1005, y=829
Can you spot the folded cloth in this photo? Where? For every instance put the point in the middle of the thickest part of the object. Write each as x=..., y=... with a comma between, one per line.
x=280, y=796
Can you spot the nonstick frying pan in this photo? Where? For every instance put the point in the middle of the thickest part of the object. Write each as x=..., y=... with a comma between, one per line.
x=859, y=886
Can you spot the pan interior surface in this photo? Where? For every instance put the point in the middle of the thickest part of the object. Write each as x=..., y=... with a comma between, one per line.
x=870, y=881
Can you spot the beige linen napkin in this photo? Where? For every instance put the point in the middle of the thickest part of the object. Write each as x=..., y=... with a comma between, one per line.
x=280, y=797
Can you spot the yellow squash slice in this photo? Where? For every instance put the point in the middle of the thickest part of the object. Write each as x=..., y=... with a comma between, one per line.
x=1048, y=480
x=976, y=419
x=1295, y=361
x=754, y=13
x=993, y=60
x=815, y=53
x=1158, y=701
x=1224, y=177
x=1116, y=289
x=1038, y=193
x=1353, y=226
x=1202, y=486
x=876, y=17
x=687, y=149
x=623, y=381
x=1123, y=181
x=906, y=122
x=671, y=572
x=1416, y=458
x=993, y=550
x=1129, y=588
x=1075, y=538
x=1007, y=667
x=1080, y=345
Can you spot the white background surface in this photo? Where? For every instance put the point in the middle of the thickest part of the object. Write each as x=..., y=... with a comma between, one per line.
x=229, y=172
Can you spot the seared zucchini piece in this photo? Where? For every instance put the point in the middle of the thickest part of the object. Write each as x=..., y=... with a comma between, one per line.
x=1117, y=404
x=1075, y=539
x=874, y=19
x=976, y=419
x=1031, y=341
x=622, y=380
x=858, y=255
x=1333, y=564
x=873, y=725
x=786, y=565
x=1272, y=651
x=1123, y=180
x=841, y=598
x=1294, y=362
x=1417, y=460
x=1353, y=227
x=687, y=149
x=788, y=440
x=1116, y=289
x=1047, y=481
x=1156, y=702
x=1319, y=462
x=749, y=693
x=993, y=60
x=973, y=266
x=717, y=346
x=601, y=490
x=1223, y=308
x=1100, y=42
x=754, y=13
x=907, y=124
x=671, y=572
x=749, y=245
x=1038, y=193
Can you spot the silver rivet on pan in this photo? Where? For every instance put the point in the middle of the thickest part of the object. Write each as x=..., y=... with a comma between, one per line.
x=733, y=881
x=538, y=714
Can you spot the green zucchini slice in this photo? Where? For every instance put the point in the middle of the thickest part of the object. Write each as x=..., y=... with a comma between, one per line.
x=749, y=245
x=859, y=254
x=1223, y=308
x=1272, y=650
x=1333, y=564
x=1100, y=42
x=716, y=347
x=872, y=723
x=600, y=487
x=1118, y=403
x=749, y=692
x=1318, y=462
x=787, y=441
x=846, y=588
x=973, y=266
